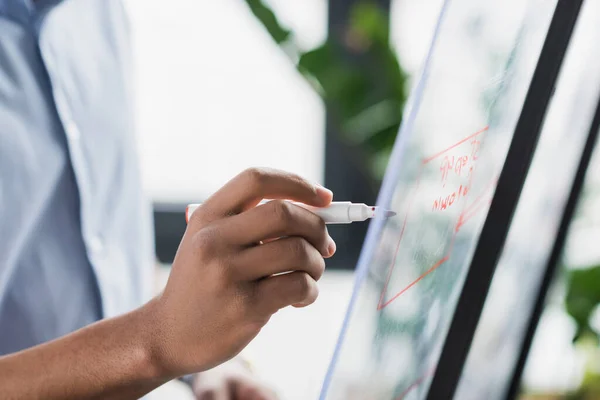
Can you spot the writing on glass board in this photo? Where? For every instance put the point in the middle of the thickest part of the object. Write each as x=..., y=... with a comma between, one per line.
x=460, y=166
x=453, y=168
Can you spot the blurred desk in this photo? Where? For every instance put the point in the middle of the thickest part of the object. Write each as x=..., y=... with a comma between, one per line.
x=293, y=351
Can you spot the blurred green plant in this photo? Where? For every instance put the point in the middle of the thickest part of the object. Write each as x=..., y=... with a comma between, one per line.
x=582, y=299
x=583, y=296
x=365, y=96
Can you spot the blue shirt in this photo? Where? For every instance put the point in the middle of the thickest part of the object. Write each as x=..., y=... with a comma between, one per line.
x=76, y=239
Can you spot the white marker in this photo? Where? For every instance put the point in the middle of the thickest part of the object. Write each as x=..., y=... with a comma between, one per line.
x=338, y=212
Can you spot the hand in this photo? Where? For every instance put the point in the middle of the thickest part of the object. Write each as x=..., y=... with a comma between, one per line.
x=230, y=381
x=225, y=283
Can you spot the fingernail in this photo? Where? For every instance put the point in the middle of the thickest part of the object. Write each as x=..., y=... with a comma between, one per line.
x=331, y=247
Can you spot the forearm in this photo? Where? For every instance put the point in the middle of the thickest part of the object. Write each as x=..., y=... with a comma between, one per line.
x=109, y=359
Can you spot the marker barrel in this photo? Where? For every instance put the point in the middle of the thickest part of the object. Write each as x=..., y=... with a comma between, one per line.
x=339, y=212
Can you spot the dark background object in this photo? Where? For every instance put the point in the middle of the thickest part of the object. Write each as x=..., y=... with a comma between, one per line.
x=169, y=225
x=344, y=174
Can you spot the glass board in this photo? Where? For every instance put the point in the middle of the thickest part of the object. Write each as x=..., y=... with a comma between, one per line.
x=516, y=282
x=440, y=181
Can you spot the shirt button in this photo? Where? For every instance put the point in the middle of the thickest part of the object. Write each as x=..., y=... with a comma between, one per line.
x=96, y=245
x=72, y=130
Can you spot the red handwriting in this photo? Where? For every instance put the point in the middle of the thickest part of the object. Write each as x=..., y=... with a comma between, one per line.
x=476, y=143
x=443, y=203
x=462, y=165
x=472, y=209
x=454, y=164
x=458, y=164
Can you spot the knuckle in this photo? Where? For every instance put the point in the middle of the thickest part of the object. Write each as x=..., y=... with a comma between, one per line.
x=298, y=179
x=308, y=189
x=256, y=176
x=197, y=219
x=302, y=284
x=282, y=211
x=245, y=298
x=321, y=226
x=205, y=241
x=307, y=257
x=300, y=250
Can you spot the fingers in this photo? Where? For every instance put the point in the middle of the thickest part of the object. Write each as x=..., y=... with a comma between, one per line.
x=277, y=219
x=279, y=256
x=247, y=189
x=277, y=292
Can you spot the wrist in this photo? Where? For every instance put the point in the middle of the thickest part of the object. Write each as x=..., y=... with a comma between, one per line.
x=153, y=344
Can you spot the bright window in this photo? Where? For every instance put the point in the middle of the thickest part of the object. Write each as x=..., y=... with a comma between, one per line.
x=215, y=95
